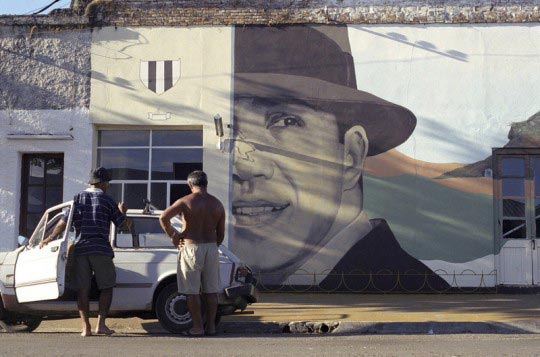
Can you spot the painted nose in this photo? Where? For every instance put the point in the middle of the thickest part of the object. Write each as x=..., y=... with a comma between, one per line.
x=250, y=163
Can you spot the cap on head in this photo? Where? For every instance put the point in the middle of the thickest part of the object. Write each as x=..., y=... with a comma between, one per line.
x=98, y=175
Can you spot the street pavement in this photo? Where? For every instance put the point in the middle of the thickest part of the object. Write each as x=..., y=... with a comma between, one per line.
x=362, y=314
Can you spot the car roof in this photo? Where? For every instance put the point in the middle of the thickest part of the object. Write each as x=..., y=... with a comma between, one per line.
x=143, y=213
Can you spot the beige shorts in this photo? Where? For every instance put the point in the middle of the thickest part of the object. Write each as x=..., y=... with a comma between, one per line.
x=198, y=267
x=101, y=265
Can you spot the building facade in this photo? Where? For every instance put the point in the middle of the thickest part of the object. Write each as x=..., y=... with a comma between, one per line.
x=365, y=147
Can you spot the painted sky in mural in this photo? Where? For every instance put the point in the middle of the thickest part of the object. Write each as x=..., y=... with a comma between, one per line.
x=466, y=84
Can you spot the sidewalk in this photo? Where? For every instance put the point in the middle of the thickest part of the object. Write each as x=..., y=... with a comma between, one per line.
x=352, y=313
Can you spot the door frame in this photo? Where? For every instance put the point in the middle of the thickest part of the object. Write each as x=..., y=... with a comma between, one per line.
x=531, y=243
x=23, y=208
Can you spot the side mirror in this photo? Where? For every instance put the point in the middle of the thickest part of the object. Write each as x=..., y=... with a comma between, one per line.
x=22, y=240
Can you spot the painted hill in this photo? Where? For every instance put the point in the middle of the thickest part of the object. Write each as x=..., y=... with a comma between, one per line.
x=393, y=163
x=525, y=134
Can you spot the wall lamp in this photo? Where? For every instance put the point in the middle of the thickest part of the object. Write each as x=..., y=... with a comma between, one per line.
x=218, y=123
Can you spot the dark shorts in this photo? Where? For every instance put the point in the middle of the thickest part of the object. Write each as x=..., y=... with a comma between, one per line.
x=101, y=265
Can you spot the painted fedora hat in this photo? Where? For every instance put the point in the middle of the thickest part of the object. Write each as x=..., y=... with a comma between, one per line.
x=313, y=64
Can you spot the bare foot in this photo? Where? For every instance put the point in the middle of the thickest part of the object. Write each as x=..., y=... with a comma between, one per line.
x=104, y=330
x=86, y=333
x=210, y=332
x=196, y=332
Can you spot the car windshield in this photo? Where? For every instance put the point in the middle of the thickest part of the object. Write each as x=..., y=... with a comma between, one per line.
x=142, y=232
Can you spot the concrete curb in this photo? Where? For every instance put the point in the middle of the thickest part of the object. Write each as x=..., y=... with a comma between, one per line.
x=388, y=328
x=336, y=328
x=437, y=327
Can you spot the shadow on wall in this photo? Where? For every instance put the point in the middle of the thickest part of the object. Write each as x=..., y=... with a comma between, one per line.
x=49, y=71
x=423, y=45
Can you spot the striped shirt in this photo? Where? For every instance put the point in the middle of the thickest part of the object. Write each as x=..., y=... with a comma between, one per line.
x=92, y=216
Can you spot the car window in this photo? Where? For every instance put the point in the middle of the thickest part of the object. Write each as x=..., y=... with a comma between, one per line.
x=46, y=226
x=142, y=232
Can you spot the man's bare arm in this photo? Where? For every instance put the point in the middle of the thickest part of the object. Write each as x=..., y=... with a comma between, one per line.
x=165, y=221
x=59, y=228
x=220, y=229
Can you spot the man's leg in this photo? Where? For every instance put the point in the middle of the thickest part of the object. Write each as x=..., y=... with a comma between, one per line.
x=194, y=307
x=105, y=272
x=211, y=287
x=83, y=305
x=83, y=277
x=211, y=301
x=105, y=299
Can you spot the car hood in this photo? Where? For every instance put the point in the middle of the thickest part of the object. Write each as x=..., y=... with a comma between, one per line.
x=3, y=256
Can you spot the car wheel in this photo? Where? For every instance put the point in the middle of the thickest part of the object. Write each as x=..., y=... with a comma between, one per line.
x=172, y=311
x=21, y=323
x=10, y=322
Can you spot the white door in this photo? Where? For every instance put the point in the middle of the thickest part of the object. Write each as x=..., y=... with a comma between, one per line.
x=518, y=194
x=40, y=273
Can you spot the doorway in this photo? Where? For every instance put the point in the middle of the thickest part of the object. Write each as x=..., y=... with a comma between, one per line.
x=517, y=197
x=41, y=188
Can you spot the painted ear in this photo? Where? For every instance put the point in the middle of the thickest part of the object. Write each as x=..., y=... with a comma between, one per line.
x=356, y=148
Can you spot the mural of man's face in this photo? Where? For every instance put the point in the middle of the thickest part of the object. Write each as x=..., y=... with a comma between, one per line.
x=288, y=178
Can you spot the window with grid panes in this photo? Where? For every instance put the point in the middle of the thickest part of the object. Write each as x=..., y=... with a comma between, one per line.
x=150, y=164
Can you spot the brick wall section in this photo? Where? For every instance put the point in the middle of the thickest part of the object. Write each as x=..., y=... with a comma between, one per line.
x=143, y=15
x=275, y=12
x=231, y=12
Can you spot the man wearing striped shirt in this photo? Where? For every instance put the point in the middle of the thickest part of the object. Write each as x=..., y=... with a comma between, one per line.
x=94, y=211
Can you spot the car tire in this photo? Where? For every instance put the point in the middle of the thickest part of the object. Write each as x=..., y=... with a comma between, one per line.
x=17, y=323
x=172, y=311
x=21, y=323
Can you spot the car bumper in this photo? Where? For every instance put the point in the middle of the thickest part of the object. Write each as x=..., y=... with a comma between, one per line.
x=248, y=291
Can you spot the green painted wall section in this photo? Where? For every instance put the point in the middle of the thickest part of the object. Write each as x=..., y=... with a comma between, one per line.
x=432, y=221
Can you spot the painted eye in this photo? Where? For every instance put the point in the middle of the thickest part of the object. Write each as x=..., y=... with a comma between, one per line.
x=283, y=120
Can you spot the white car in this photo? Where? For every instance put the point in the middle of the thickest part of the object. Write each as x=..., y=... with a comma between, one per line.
x=35, y=283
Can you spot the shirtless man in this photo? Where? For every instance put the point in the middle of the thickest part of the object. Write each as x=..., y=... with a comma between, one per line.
x=203, y=219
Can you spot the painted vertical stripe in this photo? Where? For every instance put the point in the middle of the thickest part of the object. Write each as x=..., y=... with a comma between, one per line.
x=152, y=76
x=168, y=75
x=144, y=73
x=175, y=71
x=160, y=77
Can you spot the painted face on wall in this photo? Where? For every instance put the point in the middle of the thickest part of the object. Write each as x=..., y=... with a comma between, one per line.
x=287, y=181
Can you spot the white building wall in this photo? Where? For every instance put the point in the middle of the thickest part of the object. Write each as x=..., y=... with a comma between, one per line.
x=77, y=157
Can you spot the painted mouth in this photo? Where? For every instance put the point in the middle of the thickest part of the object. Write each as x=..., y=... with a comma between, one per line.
x=257, y=212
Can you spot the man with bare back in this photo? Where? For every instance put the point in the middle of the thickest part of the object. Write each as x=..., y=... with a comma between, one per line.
x=203, y=219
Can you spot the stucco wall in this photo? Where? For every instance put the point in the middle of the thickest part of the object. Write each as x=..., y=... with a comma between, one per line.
x=77, y=157
x=45, y=89
x=44, y=69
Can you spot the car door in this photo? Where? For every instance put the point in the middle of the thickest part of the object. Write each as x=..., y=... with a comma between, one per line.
x=40, y=272
x=143, y=256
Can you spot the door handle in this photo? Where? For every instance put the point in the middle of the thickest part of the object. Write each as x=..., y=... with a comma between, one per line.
x=533, y=244
x=54, y=249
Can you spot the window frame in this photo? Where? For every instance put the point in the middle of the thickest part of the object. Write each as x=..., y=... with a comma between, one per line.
x=528, y=154
x=25, y=185
x=150, y=147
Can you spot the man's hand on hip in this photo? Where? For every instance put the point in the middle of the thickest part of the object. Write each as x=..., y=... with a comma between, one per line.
x=122, y=207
